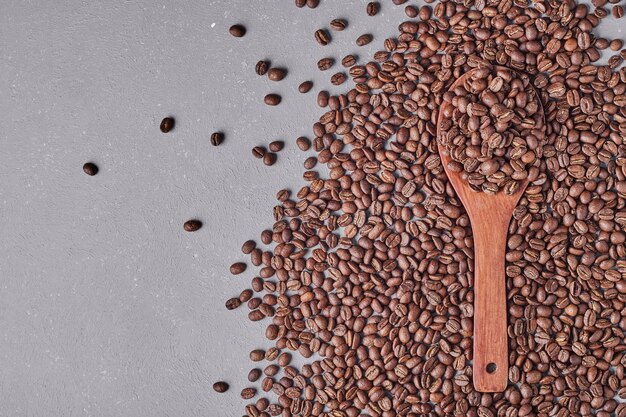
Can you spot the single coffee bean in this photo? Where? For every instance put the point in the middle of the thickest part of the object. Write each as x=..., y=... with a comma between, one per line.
x=310, y=162
x=276, y=146
x=237, y=268
x=305, y=87
x=276, y=74
x=322, y=98
x=248, y=393
x=338, y=24
x=248, y=246
x=257, y=355
x=372, y=8
x=220, y=387
x=269, y=158
x=237, y=30
x=312, y=4
x=300, y=3
x=192, y=225
x=618, y=12
x=167, y=124
x=258, y=152
x=338, y=78
x=217, y=138
x=261, y=67
x=232, y=303
x=322, y=37
x=254, y=374
x=364, y=39
x=411, y=11
x=90, y=169
x=348, y=61
x=325, y=63
x=272, y=99
x=245, y=295
x=303, y=143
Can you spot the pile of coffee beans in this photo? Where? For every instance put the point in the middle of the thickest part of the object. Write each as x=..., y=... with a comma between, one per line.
x=367, y=271
x=493, y=129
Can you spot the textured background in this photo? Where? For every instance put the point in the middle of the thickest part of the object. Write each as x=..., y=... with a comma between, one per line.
x=107, y=308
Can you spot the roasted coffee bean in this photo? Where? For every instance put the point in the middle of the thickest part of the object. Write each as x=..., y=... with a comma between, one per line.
x=220, y=387
x=338, y=78
x=254, y=374
x=322, y=98
x=372, y=8
x=258, y=152
x=192, y=225
x=167, y=124
x=411, y=11
x=325, y=64
x=300, y=3
x=322, y=37
x=237, y=268
x=348, y=61
x=276, y=74
x=364, y=39
x=90, y=169
x=272, y=99
x=232, y=303
x=248, y=393
x=269, y=158
x=276, y=146
x=305, y=87
x=237, y=30
x=338, y=24
x=217, y=138
x=248, y=246
x=310, y=162
x=262, y=67
x=303, y=143
x=312, y=3
x=257, y=355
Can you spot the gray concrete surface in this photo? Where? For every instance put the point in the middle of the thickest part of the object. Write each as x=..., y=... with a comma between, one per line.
x=107, y=308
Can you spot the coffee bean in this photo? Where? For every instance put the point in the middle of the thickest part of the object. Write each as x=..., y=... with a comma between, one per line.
x=220, y=387
x=303, y=143
x=248, y=393
x=348, y=61
x=237, y=268
x=248, y=246
x=618, y=12
x=300, y=3
x=258, y=152
x=276, y=146
x=364, y=39
x=338, y=78
x=90, y=169
x=372, y=8
x=262, y=67
x=257, y=355
x=276, y=74
x=269, y=158
x=411, y=11
x=192, y=225
x=217, y=138
x=338, y=24
x=254, y=374
x=167, y=124
x=310, y=162
x=312, y=3
x=322, y=37
x=305, y=87
x=272, y=99
x=322, y=98
x=237, y=30
x=325, y=63
x=232, y=303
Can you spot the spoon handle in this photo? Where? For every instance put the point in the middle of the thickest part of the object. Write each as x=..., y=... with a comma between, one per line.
x=490, y=322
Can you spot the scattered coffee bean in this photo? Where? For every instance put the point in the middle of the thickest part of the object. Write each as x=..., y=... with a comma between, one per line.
x=217, y=138
x=237, y=30
x=258, y=152
x=312, y=4
x=322, y=98
x=257, y=355
x=276, y=74
x=300, y=3
x=167, y=124
x=338, y=24
x=372, y=8
x=305, y=87
x=272, y=99
x=322, y=37
x=90, y=169
x=325, y=63
x=237, y=268
x=338, y=78
x=232, y=303
x=310, y=162
x=254, y=375
x=220, y=387
x=248, y=393
x=618, y=12
x=192, y=225
x=269, y=158
x=411, y=11
x=348, y=61
x=248, y=246
x=262, y=67
x=303, y=143
x=364, y=39
x=276, y=146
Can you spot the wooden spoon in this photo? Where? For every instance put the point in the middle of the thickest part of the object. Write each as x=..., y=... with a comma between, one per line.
x=490, y=216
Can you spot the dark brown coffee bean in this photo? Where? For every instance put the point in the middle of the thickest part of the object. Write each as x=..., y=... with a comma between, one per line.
x=254, y=374
x=237, y=30
x=338, y=24
x=262, y=67
x=300, y=3
x=257, y=355
x=232, y=303
x=338, y=78
x=325, y=63
x=322, y=37
x=310, y=162
x=258, y=152
x=312, y=3
x=272, y=99
x=372, y=8
x=220, y=387
x=277, y=74
x=269, y=159
x=217, y=138
x=276, y=146
x=618, y=12
x=248, y=246
x=237, y=268
x=411, y=11
x=192, y=225
x=303, y=143
x=348, y=61
x=248, y=393
x=167, y=124
x=90, y=169
x=322, y=98
x=305, y=87
x=245, y=295
x=364, y=39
